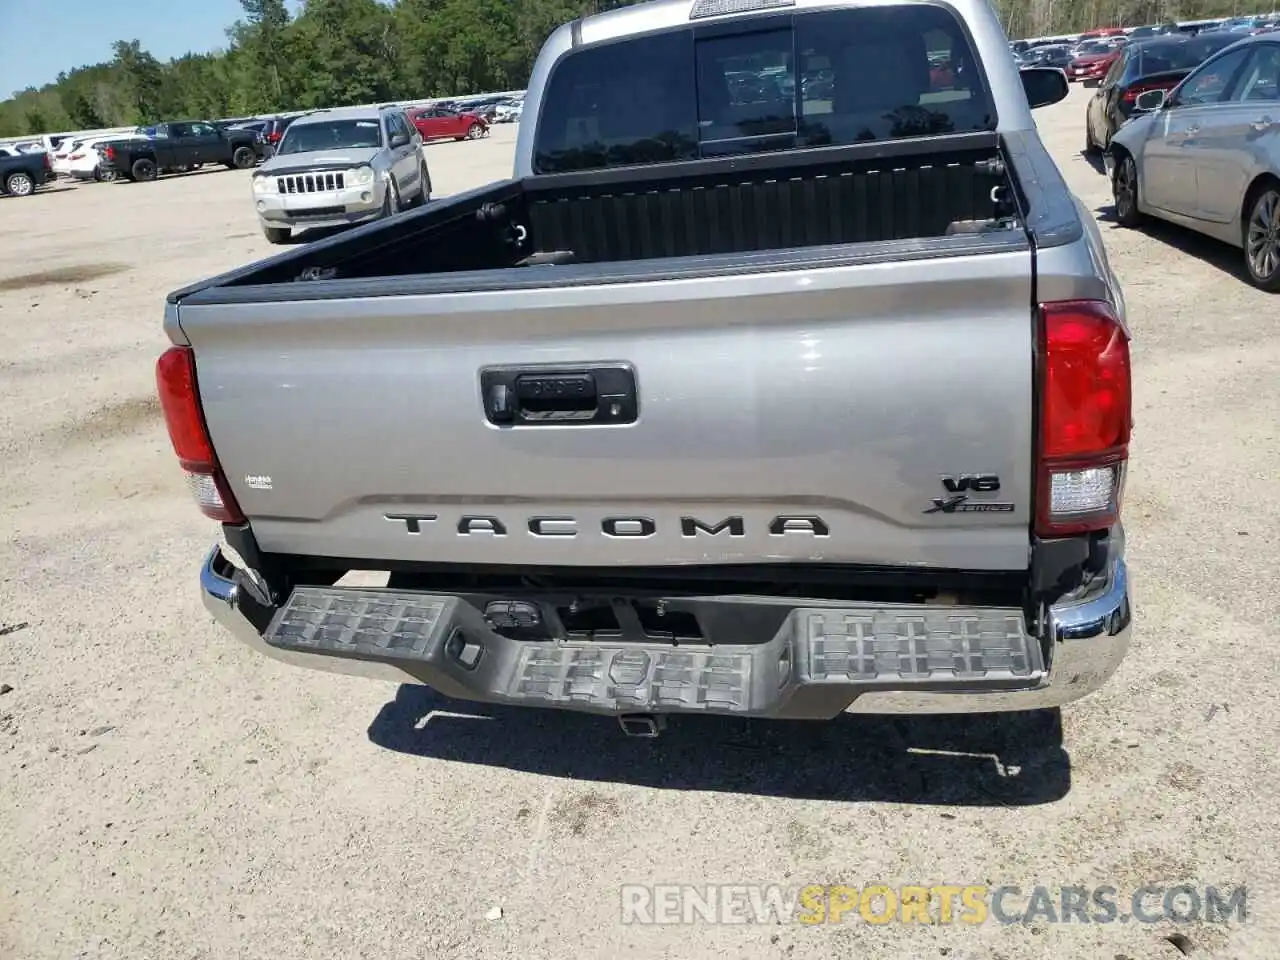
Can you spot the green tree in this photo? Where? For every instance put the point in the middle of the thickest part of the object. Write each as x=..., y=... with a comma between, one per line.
x=35, y=119
x=346, y=53
x=265, y=67
x=142, y=80
x=421, y=35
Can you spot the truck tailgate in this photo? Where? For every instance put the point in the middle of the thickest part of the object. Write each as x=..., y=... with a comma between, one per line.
x=842, y=414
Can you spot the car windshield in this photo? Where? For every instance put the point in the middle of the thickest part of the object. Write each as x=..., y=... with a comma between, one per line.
x=681, y=94
x=1093, y=46
x=331, y=135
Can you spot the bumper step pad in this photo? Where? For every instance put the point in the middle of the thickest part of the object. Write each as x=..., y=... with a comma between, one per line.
x=843, y=649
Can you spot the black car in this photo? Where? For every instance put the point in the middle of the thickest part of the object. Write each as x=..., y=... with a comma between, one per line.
x=253, y=126
x=1151, y=31
x=1157, y=64
x=1054, y=55
x=21, y=174
x=271, y=133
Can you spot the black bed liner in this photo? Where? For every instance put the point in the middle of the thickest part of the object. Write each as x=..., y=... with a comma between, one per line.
x=882, y=200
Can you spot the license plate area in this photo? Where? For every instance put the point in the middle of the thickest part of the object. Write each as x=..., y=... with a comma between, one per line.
x=595, y=619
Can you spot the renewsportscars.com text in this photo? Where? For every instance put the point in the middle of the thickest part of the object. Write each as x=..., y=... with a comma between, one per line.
x=934, y=904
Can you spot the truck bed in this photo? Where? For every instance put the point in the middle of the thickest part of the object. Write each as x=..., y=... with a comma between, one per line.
x=839, y=199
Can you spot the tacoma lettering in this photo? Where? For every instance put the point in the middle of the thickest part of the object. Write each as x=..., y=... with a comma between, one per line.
x=812, y=525
x=691, y=527
x=470, y=525
x=413, y=521
x=619, y=527
x=553, y=526
x=628, y=527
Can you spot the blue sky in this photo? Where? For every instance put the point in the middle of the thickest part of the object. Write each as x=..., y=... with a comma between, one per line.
x=52, y=37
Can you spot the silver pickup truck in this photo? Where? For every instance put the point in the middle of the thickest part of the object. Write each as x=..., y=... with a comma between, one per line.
x=785, y=377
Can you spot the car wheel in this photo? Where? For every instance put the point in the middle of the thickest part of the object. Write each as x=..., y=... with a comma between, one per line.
x=243, y=158
x=19, y=184
x=424, y=189
x=1124, y=188
x=143, y=170
x=475, y=131
x=277, y=234
x=1262, y=239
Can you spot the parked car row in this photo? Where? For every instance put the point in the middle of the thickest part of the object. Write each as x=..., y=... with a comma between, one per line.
x=1104, y=40
x=1204, y=151
x=144, y=153
x=1158, y=64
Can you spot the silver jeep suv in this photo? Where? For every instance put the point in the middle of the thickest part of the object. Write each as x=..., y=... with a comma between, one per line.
x=341, y=166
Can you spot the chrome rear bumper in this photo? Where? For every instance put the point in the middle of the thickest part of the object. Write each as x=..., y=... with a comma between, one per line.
x=826, y=659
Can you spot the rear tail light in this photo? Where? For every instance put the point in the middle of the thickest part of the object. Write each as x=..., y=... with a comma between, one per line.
x=48, y=162
x=274, y=136
x=176, y=384
x=76, y=156
x=111, y=153
x=1085, y=417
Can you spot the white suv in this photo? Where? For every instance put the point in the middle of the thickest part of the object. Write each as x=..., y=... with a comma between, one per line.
x=341, y=166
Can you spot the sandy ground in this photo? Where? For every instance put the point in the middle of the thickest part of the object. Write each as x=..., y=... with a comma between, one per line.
x=166, y=793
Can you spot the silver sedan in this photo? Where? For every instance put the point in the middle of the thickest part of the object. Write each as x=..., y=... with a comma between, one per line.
x=1207, y=155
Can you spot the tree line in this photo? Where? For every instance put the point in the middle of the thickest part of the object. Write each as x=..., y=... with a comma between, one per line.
x=339, y=52
x=1039, y=18
x=332, y=53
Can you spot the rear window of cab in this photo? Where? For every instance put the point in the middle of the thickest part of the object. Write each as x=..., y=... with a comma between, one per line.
x=774, y=82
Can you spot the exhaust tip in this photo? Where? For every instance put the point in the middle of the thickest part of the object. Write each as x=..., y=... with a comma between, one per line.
x=642, y=724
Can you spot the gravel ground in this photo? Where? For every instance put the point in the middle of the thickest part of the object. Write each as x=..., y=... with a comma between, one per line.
x=166, y=793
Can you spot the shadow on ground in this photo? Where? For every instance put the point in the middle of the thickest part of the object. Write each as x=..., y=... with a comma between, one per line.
x=996, y=760
x=1225, y=257
x=1095, y=160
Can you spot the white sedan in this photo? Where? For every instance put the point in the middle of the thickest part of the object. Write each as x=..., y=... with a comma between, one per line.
x=83, y=162
x=1207, y=155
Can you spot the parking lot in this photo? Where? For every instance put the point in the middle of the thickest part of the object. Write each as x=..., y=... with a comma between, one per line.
x=164, y=792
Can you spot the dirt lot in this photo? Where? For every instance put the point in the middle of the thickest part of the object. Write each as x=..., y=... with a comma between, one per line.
x=165, y=793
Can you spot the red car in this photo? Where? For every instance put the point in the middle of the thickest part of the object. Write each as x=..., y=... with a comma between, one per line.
x=439, y=123
x=1091, y=62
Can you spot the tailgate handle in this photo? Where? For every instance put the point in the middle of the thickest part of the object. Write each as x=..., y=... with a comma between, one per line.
x=537, y=396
